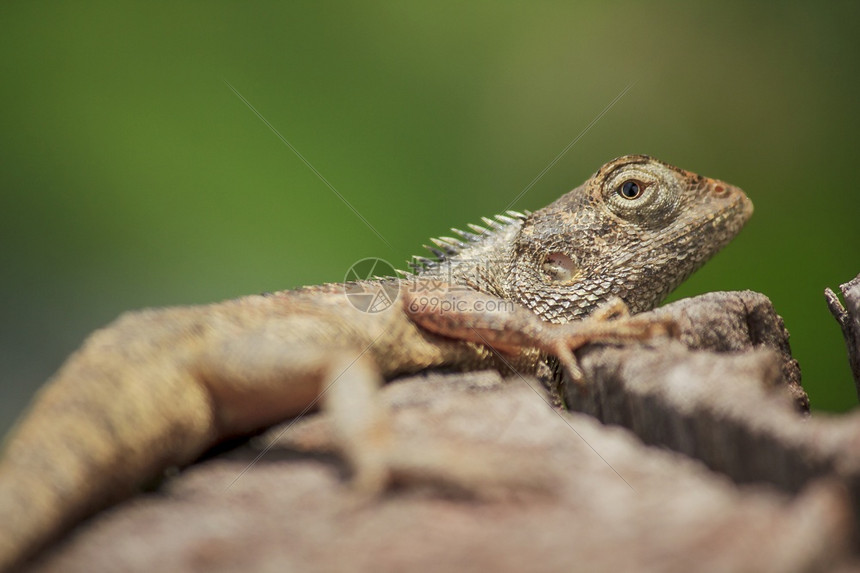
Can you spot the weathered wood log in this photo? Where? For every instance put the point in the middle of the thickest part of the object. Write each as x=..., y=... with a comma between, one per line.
x=618, y=505
x=720, y=395
x=733, y=408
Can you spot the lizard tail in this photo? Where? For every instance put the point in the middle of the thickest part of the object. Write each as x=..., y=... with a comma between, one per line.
x=107, y=422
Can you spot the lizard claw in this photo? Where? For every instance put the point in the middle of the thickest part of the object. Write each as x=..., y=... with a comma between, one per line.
x=561, y=350
x=612, y=309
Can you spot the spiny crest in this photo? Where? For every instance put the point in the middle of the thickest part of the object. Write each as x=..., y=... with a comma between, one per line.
x=447, y=247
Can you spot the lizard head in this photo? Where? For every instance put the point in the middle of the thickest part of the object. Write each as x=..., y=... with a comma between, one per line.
x=636, y=229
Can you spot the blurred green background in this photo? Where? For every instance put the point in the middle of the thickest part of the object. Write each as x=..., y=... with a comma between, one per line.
x=132, y=176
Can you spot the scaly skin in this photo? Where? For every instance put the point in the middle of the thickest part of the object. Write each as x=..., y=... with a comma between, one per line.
x=158, y=387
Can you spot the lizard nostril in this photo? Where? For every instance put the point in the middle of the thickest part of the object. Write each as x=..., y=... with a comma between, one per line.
x=720, y=190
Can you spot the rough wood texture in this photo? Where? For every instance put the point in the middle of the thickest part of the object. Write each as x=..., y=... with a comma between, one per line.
x=735, y=411
x=728, y=394
x=848, y=317
x=293, y=512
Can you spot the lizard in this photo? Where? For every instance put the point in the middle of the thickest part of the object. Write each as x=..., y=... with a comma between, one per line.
x=159, y=387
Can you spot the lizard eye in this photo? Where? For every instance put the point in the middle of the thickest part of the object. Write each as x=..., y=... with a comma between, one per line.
x=631, y=189
x=645, y=195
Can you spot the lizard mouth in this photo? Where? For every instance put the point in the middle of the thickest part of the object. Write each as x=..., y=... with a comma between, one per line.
x=747, y=206
x=738, y=201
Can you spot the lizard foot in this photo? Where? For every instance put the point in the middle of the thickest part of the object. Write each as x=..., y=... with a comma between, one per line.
x=611, y=323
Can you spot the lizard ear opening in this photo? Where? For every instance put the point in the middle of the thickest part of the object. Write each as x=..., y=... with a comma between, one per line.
x=559, y=268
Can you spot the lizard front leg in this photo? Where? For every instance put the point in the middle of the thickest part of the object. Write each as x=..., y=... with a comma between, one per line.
x=509, y=328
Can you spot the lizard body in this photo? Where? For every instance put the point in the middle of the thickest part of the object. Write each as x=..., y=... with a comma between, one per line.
x=159, y=387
